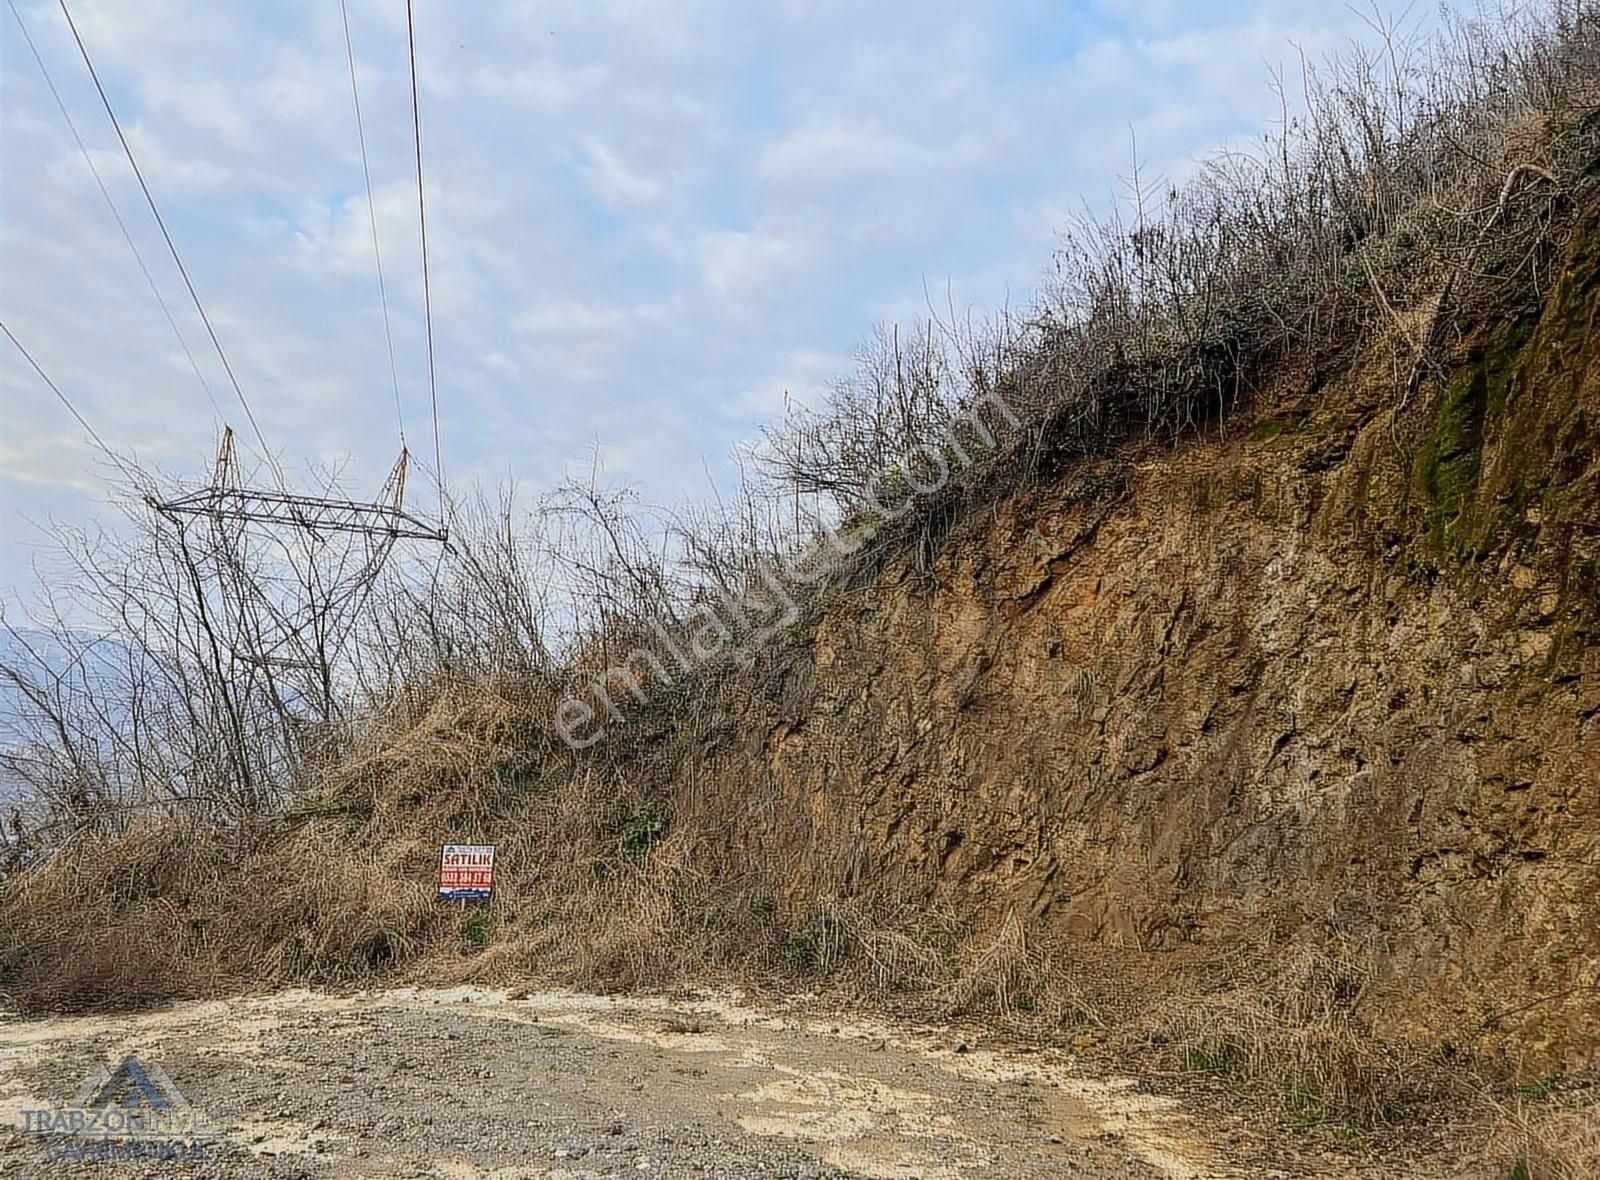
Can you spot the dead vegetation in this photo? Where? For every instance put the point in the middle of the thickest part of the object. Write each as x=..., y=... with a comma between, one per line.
x=595, y=894
x=1536, y=1142
x=1296, y=1029
x=1408, y=187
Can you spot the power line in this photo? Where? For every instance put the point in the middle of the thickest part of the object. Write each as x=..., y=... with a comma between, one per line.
x=112, y=205
x=66, y=401
x=422, y=221
x=372, y=216
x=127, y=150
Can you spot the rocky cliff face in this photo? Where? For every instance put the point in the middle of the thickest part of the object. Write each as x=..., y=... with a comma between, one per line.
x=1337, y=675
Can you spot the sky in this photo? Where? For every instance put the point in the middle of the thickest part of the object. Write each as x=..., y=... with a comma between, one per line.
x=648, y=222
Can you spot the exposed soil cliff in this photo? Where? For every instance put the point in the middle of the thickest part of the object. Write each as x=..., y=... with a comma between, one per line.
x=1273, y=752
x=1337, y=676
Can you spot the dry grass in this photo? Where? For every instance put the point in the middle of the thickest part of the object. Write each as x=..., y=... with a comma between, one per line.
x=1007, y=974
x=622, y=870
x=1535, y=1141
x=600, y=886
x=112, y=922
x=606, y=886
x=332, y=893
x=1563, y=1146
x=1295, y=1029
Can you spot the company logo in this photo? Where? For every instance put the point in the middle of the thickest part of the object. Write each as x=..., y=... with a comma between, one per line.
x=131, y=1111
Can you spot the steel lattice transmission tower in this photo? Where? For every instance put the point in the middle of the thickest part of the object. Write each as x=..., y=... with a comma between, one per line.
x=283, y=577
x=226, y=500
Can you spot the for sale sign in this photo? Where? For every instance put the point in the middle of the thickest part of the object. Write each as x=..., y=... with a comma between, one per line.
x=466, y=871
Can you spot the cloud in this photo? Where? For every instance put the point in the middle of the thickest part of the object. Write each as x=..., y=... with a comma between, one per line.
x=591, y=339
x=752, y=266
x=802, y=378
x=832, y=156
x=617, y=184
x=647, y=221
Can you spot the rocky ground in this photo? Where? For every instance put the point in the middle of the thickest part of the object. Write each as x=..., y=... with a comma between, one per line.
x=474, y=1083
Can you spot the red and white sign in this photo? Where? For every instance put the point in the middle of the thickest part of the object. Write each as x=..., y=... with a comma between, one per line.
x=466, y=871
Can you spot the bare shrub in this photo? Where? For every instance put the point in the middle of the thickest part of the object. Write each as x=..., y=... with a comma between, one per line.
x=212, y=813
x=998, y=975
x=1402, y=183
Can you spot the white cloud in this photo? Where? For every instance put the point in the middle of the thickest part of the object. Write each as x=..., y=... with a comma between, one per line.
x=618, y=184
x=752, y=266
x=647, y=221
x=802, y=379
x=590, y=339
x=836, y=155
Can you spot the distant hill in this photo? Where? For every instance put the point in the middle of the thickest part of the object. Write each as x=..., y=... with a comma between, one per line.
x=23, y=651
x=12, y=704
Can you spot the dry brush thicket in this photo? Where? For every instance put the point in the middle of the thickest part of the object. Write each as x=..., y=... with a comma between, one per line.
x=203, y=817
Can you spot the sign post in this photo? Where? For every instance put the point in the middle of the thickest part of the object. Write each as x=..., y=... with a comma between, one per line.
x=466, y=872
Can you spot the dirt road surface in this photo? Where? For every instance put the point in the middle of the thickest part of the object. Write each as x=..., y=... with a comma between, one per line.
x=471, y=1083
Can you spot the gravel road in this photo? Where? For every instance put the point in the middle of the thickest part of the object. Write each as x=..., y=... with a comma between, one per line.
x=467, y=1083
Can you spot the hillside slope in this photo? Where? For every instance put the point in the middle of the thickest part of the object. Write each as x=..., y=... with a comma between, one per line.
x=1336, y=677
x=1272, y=752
